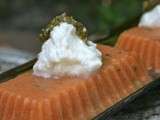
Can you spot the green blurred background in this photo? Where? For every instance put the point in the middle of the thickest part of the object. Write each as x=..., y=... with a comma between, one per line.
x=21, y=20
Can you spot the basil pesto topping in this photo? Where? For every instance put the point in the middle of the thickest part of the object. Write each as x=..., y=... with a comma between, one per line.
x=81, y=31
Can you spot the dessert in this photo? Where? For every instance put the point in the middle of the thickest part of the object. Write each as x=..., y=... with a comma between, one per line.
x=54, y=91
x=144, y=40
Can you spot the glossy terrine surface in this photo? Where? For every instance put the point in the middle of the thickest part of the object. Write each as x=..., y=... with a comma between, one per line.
x=28, y=97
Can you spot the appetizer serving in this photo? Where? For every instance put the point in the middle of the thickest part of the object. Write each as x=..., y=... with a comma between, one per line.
x=73, y=78
x=145, y=40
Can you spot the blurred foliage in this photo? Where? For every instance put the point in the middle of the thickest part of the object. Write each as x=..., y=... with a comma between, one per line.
x=98, y=15
x=117, y=13
x=110, y=41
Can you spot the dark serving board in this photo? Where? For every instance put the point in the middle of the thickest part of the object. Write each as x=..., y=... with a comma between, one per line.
x=124, y=102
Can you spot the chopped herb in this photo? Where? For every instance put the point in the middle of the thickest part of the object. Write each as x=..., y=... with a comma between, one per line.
x=107, y=54
x=118, y=69
x=81, y=31
x=134, y=68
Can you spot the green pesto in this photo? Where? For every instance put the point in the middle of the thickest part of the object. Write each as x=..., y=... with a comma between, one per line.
x=81, y=31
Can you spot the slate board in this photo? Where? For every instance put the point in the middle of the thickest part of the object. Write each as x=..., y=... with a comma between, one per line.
x=145, y=107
